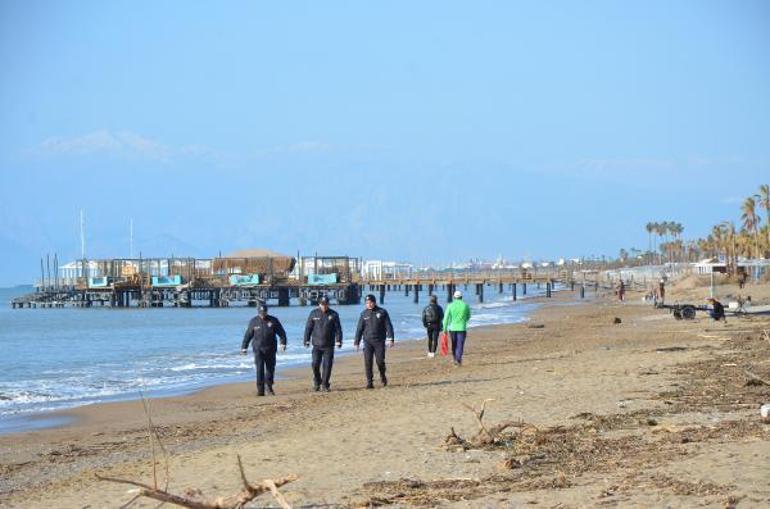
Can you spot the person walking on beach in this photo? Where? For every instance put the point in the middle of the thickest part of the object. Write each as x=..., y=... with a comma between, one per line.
x=621, y=290
x=375, y=328
x=456, y=323
x=261, y=333
x=662, y=291
x=324, y=331
x=432, y=318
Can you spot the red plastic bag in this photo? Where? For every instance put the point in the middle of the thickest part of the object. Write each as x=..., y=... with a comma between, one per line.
x=444, y=344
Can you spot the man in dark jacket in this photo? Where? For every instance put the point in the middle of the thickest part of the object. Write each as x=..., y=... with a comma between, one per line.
x=718, y=310
x=261, y=333
x=323, y=329
x=374, y=328
x=432, y=317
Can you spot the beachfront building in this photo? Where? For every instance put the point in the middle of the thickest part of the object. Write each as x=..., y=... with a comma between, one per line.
x=753, y=267
x=382, y=270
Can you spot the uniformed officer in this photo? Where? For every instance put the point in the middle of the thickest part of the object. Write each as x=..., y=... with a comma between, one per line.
x=324, y=331
x=261, y=333
x=374, y=327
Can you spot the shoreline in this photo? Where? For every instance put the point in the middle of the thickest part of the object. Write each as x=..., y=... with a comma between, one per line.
x=71, y=415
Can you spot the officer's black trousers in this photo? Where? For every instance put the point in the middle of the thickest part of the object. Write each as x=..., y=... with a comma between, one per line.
x=371, y=351
x=433, y=333
x=265, y=364
x=323, y=360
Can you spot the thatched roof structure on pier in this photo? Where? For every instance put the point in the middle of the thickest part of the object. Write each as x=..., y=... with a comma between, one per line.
x=254, y=261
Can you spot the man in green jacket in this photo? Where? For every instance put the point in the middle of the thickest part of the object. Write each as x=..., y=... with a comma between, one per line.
x=456, y=323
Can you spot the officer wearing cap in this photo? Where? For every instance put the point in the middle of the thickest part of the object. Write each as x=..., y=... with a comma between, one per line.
x=261, y=333
x=374, y=327
x=324, y=331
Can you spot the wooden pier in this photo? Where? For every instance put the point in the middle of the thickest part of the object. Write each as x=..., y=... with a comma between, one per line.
x=515, y=280
x=250, y=280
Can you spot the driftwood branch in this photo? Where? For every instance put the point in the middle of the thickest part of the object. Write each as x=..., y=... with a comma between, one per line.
x=237, y=501
x=754, y=379
x=487, y=435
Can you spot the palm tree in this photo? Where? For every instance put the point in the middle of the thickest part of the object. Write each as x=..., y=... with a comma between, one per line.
x=751, y=221
x=660, y=230
x=764, y=202
x=650, y=227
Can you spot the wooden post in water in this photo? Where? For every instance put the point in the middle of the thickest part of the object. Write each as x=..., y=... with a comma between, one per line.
x=449, y=291
x=480, y=290
x=513, y=289
x=523, y=288
x=582, y=291
x=406, y=290
x=416, y=294
x=430, y=289
x=283, y=297
x=382, y=294
x=548, y=289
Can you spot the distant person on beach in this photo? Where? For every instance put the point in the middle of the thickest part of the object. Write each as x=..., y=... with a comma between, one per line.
x=742, y=280
x=261, y=333
x=621, y=290
x=718, y=310
x=375, y=328
x=432, y=318
x=324, y=331
x=662, y=291
x=456, y=323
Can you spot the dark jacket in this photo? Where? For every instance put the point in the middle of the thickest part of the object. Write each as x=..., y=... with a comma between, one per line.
x=323, y=329
x=261, y=333
x=373, y=326
x=719, y=310
x=438, y=313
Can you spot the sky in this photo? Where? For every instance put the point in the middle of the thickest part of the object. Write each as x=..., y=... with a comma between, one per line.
x=420, y=131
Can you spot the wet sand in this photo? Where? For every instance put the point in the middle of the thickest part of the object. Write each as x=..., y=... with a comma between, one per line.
x=647, y=412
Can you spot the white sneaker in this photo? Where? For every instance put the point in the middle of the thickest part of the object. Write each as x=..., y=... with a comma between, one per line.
x=431, y=355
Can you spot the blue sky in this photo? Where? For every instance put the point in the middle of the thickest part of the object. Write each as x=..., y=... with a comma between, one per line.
x=425, y=131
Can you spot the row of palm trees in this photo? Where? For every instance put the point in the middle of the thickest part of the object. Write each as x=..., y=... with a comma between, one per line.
x=750, y=239
x=662, y=230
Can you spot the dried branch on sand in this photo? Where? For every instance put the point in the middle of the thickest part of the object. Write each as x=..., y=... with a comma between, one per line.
x=247, y=494
x=486, y=436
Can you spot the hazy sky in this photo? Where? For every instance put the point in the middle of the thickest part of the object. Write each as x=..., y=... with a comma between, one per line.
x=422, y=131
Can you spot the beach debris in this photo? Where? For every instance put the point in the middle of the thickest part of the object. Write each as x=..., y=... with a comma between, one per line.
x=671, y=349
x=486, y=435
x=617, y=320
x=754, y=380
x=249, y=492
x=536, y=326
x=764, y=412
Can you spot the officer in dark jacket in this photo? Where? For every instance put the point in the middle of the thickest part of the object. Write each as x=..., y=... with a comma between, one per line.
x=323, y=329
x=375, y=328
x=432, y=319
x=261, y=333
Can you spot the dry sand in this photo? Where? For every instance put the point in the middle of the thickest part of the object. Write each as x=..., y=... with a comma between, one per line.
x=649, y=412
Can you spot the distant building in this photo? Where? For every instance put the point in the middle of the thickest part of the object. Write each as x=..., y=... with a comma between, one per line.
x=382, y=270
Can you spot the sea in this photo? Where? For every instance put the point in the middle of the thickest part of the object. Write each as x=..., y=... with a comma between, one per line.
x=53, y=359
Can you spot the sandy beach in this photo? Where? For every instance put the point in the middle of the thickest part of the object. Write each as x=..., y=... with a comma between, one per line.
x=648, y=412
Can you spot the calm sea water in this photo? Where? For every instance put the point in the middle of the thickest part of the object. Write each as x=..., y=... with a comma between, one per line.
x=61, y=358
